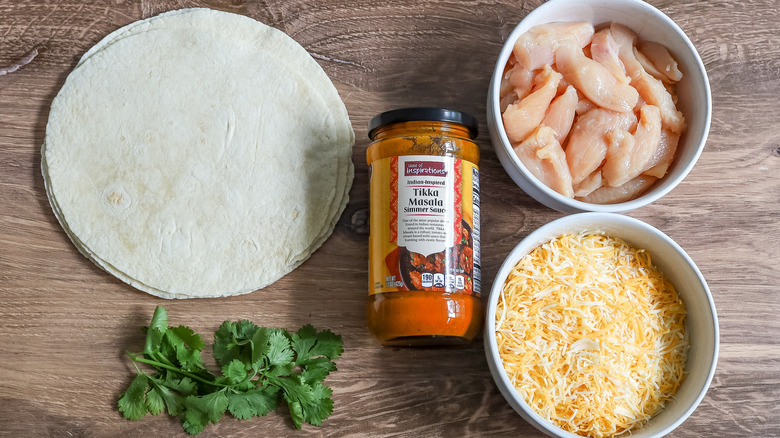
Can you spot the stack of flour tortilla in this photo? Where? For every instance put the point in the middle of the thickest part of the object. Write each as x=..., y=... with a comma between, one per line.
x=198, y=153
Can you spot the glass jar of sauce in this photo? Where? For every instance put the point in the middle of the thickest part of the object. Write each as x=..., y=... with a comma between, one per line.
x=424, y=254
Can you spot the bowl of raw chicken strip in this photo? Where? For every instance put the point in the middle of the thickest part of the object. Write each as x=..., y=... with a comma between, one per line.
x=598, y=105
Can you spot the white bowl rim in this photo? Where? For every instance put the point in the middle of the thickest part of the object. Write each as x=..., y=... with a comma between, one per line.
x=494, y=100
x=491, y=349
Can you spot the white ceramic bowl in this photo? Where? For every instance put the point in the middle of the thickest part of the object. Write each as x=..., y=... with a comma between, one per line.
x=693, y=92
x=701, y=324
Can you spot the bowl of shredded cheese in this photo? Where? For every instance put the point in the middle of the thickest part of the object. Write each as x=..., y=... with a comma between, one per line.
x=600, y=325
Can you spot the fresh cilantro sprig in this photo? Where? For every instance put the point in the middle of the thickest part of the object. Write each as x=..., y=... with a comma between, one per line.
x=260, y=368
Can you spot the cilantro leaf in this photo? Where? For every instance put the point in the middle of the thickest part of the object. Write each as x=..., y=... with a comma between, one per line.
x=308, y=343
x=320, y=407
x=171, y=393
x=328, y=344
x=303, y=341
x=225, y=348
x=186, y=345
x=255, y=402
x=200, y=410
x=279, y=371
x=131, y=403
x=279, y=351
x=295, y=389
x=245, y=329
x=296, y=393
x=154, y=401
x=296, y=413
x=184, y=386
x=156, y=330
x=317, y=369
x=233, y=373
x=234, y=341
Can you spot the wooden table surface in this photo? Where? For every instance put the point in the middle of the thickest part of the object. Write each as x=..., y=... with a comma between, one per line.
x=65, y=324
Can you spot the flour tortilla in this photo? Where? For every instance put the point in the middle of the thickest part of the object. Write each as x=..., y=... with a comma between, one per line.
x=163, y=294
x=223, y=182
x=207, y=20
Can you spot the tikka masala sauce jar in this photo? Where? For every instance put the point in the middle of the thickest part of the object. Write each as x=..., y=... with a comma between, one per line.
x=424, y=255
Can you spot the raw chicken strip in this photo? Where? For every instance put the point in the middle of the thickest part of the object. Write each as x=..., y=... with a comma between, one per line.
x=520, y=119
x=522, y=79
x=626, y=192
x=655, y=93
x=661, y=59
x=627, y=155
x=557, y=176
x=620, y=147
x=605, y=51
x=625, y=39
x=588, y=185
x=536, y=48
x=648, y=66
x=560, y=113
x=594, y=80
x=587, y=145
x=515, y=85
x=663, y=156
x=543, y=156
x=517, y=80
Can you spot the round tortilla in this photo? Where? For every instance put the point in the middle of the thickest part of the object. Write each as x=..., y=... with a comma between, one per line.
x=198, y=154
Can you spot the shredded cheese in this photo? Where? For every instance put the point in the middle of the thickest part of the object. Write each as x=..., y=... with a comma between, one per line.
x=591, y=334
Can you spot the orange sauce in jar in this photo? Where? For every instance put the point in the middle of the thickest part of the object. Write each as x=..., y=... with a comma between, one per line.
x=424, y=255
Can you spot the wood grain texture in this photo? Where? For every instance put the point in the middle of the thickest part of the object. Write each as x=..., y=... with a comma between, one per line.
x=64, y=323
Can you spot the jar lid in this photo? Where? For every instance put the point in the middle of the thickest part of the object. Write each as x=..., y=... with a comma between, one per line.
x=423, y=114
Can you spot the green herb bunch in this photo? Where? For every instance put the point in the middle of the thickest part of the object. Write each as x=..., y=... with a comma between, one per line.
x=261, y=368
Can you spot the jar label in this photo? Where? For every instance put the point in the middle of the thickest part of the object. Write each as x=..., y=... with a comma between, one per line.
x=428, y=234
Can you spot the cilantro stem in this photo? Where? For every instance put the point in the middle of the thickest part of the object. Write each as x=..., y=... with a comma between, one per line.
x=162, y=358
x=154, y=363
